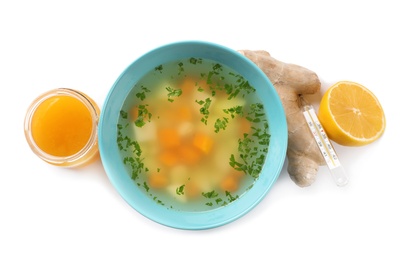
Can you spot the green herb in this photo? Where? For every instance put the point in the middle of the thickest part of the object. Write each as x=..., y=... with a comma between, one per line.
x=145, y=185
x=120, y=137
x=233, y=111
x=136, y=165
x=230, y=197
x=235, y=164
x=231, y=90
x=180, y=190
x=143, y=115
x=209, y=81
x=221, y=123
x=249, y=187
x=142, y=95
x=195, y=60
x=245, y=86
x=216, y=70
x=204, y=110
x=180, y=68
x=261, y=134
x=256, y=113
x=123, y=114
x=247, y=147
x=210, y=194
x=241, y=86
x=253, y=147
x=158, y=201
x=124, y=142
x=159, y=68
x=200, y=89
x=173, y=93
x=218, y=200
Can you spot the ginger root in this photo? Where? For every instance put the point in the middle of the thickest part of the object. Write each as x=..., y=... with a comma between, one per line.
x=290, y=82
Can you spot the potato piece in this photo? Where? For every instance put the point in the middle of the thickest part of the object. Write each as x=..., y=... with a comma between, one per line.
x=179, y=174
x=244, y=126
x=145, y=133
x=188, y=85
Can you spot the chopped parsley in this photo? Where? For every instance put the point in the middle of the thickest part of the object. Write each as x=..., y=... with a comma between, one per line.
x=256, y=113
x=180, y=68
x=233, y=111
x=145, y=185
x=210, y=194
x=252, y=150
x=180, y=190
x=221, y=123
x=159, y=68
x=230, y=197
x=134, y=162
x=123, y=114
x=143, y=115
x=216, y=198
x=173, y=93
x=142, y=95
x=204, y=110
x=195, y=60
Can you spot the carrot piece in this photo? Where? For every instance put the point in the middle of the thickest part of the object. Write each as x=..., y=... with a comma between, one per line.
x=168, y=158
x=184, y=113
x=189, y=154
x=169, y=137
x=237, y=174
x=229, y=183
x=133, y=113
x=191, y=190
x=244, y=125
x=158, y=180
x=203, y=142
x=188, y=85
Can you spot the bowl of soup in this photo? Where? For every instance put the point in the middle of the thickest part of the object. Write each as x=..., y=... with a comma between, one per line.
x=192, y=135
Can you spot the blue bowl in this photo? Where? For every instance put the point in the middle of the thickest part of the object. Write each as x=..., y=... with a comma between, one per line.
x=118, y=174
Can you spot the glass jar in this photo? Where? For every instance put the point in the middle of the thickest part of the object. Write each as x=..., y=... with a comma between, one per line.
x=61, y=128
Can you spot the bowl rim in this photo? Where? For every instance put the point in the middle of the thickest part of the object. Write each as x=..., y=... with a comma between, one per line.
x=122, y=182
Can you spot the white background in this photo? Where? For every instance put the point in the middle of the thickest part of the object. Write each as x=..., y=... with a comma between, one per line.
x=52, y=213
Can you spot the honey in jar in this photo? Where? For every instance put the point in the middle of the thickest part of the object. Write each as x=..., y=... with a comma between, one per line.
x=61, y=127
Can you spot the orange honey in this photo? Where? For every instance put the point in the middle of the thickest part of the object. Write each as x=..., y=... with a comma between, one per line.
x=61, y=127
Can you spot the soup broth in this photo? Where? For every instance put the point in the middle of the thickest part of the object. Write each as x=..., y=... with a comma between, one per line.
x=193, y=135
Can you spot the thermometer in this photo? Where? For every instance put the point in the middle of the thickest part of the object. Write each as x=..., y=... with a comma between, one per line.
x=326, y=148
